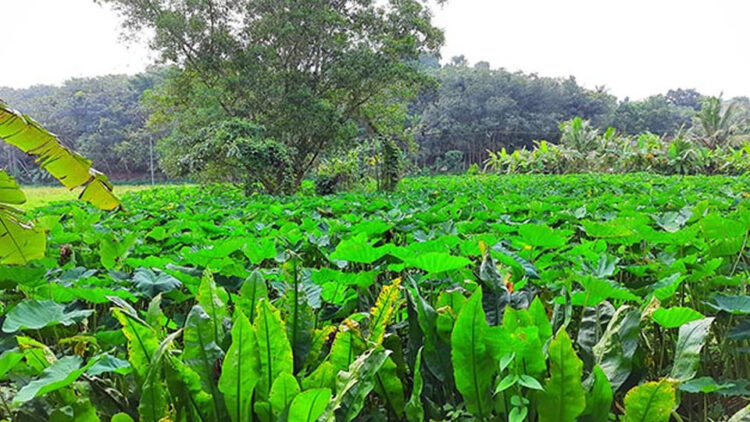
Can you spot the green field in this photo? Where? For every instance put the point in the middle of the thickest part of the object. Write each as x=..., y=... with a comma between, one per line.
x=581, y=297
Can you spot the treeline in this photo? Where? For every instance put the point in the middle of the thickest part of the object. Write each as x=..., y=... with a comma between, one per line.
x=470, y=110
x=104, y=118
x=477, y=108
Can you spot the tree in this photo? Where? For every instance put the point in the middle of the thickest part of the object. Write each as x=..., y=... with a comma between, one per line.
x=716, y=123
x=312, y=73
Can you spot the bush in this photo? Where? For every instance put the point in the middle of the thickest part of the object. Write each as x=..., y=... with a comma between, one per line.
x=234, y=151
x=585, y=150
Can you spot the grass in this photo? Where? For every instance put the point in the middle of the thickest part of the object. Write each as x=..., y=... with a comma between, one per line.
x=43, y=195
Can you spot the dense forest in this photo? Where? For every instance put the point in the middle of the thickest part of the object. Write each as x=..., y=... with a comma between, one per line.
x=466, y=111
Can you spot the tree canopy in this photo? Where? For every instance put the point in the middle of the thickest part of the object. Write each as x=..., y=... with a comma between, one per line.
x=315, y=74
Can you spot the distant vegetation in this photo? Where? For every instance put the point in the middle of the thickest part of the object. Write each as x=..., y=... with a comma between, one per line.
x=449, y=125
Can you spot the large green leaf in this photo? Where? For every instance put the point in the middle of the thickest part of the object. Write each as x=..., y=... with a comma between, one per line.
x=34, y=314
x=71, y=169
x=58, y=375
x=563, y=398
x=650, y=402
x=389, y=387
x=414, y=408
x=284, y=389
x=201, y=353
x=142, y=341
x=687, y=352
x=298, y=315
x=213, y=299
x=19, y=241
x=474, y=356
x=308, y=406
x=153, y=401
x=151, y=284
x=275, y=352
x=253, y=289
x=438, y=262
x=359, y=249
x=737, y=305
x=675, y=317
x=240, y=370
x=598, y=398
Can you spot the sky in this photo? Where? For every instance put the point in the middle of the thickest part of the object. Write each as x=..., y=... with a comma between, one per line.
x=634, y=48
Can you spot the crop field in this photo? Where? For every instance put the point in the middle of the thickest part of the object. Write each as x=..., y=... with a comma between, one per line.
x=490, y=298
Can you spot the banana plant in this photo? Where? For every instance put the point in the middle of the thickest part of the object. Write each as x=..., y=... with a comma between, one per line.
x=20, y=242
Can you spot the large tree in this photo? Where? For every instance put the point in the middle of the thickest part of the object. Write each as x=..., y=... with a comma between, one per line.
x=313, y=73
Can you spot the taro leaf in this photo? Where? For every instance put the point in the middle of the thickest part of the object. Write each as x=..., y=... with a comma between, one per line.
x=414, y=408
x=543, y=236
x=107, y=363
x=113, y=251
x=152, y=406
x=708, y=385
x=598, y=398
x=213, y=299
x=201, y=353
x=475, y=351
x=737, y=305
x=741, y=331
x=389, y=387
x=284, y=389
x=33, y=315
x=346, y=346
x=240, y=370
x=297, y=314
x=527, y=267
x=689, y=344
x=151, y=284
x=142, y=341
x=121, y=417
x=358, y=249
x=438, y=262
x=309, y=405
x=541, y=321
x=274, y=349
x=8, y=360
x=598, y=290
x=724, y=235
x=675, y=317
x=259, y=250
x=434, y=346
x=666, y=287
x=650, y=402
x=615, y=351
x=354, y=386
x=58, y=375
x=253, y=289
x=563, y=398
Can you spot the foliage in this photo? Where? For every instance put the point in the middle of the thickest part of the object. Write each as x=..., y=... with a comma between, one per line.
x=19, y=241
x=516, y=298
x=317, y=75
x=584, y=149
x=235, y=151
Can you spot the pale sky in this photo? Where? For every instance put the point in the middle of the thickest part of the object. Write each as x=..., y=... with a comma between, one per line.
x=635, y=48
